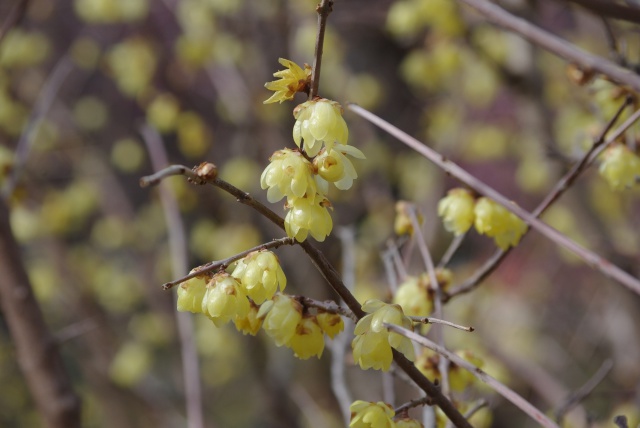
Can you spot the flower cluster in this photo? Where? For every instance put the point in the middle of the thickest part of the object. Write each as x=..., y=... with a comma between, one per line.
x=459, y=211
x=373, y=342
x=415, y=294
x=286, y=324
x=303, y=175
x=365, y=414
x=620, y=167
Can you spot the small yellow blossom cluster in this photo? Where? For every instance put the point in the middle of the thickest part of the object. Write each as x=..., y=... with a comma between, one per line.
x=365, y=414
x=460, y=210
x=373, y=342
x=620, y=167
x=459, y=378
x=286, y=324
x=415, y=294
x=302, y=176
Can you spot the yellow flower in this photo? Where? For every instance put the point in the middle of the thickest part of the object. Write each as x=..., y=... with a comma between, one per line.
x=331, y=324
x=293, y=79
x=373, y=342
x=289, y=174
x=308, y=339
x=366, y=414
x=306, y=217
x=249, y=324
x=333, y=166
x=191, y=294
x=224, y=300
x=459, y=378
x=456, y=210
x=284, y=314
x=317, y=122
x=260, y=275
x=415, y=296
x=495, y=221
x=402, y=224
x=620, y=167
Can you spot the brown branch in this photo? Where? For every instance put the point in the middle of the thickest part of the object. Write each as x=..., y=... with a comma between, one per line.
x=327, y=306
x=413, y=403
x=554, y=44
x=203, y=174
x=223, y=264
x=500, y=388
x=324, y=9
x=597, y=262
x=35, y=347
x=558, y=190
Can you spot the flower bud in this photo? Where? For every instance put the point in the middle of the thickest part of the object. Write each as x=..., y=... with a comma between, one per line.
x=191, y=293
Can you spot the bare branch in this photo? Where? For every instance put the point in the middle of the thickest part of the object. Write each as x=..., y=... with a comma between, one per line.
x=323, y=9
x=610, y=9
x=427, y=320
x=584, y=391
x=599, y=263
x=500, y=388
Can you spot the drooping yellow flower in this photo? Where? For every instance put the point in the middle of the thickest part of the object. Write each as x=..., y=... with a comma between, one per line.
x=495, y=221
x=224, y=300
x=456, y=210
x=308, y=217
x=289, y=174
x=319, y=122
x=334, y=167
x=308, y=339
x=260, y=275
x=620, y=167
x=282, y=318
x=373, y=342
x=415, y=296
x=293, y=79
x=331, y=324
x=191, y=294
x=249, y=324
x=365, y=414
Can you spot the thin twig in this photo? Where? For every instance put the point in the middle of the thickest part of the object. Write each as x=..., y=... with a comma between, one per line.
x=223, y=264
x=324, y=9
x=500, y=388
x=584, y=391
x=554, y=44
x=428, y=320
x=599, y=263
x=451, y=250
x=326, y=305
x=558, y=190
x=476, y=406
x=423, y=401
x=202, y=174
x=179, y=262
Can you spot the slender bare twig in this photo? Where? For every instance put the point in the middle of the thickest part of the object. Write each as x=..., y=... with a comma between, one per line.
x=451, y=250
x=428, y=320
x=324, y=9
x=35, y=348
x=584, y=391
x=394, y=255
x=413, y=403
x=599, y=263
x=476, y=406
x=204, y=174
x=558, y=190
x=500, y=388
x=223, y=264
x=179, y=263
x=554, y=44
x=327, y=306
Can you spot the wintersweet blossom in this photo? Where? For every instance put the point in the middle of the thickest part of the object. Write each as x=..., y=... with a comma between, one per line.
x=224, y=300
x=414, y=296
x=191, y=293
x=260, y=275
x=373, y=342
x=319, y=122
x=333, y=166
x=293, y=79
x=288, y=174
x=456, y=210
x=331, y=324
x=251, y=323
x=308, y=339
x=365, y=414
x=620, y=167
x=284, y=314
x=495, y=221
x=308, y=217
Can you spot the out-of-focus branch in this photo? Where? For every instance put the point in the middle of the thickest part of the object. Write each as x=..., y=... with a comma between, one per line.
x=36, y=348
x=500, y=388
x=604, y=266
x=14, y=17
x=610, y=9
x=206, y=173
x=584, y=391
x=554, y=44
x=179, y=263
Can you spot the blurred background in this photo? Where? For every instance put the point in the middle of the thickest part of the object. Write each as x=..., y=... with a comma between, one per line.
x=90, y=90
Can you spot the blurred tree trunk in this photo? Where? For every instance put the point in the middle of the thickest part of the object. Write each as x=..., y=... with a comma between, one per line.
x=36, y=349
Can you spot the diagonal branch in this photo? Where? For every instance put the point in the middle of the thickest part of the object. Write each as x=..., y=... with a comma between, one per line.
x=599, y=263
